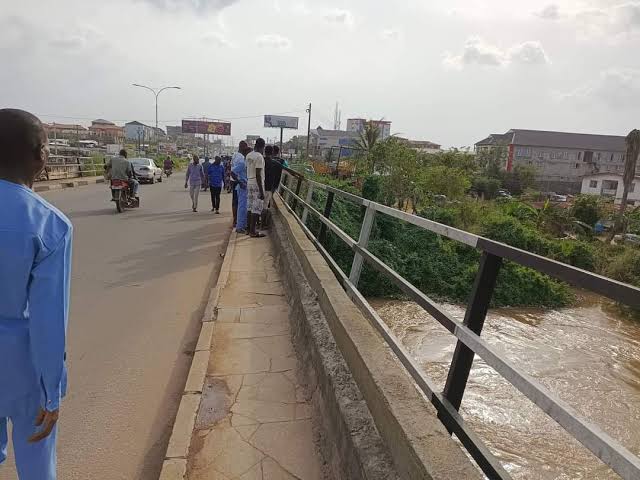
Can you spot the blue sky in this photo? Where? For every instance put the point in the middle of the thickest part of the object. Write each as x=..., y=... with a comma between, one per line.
x=446, y=71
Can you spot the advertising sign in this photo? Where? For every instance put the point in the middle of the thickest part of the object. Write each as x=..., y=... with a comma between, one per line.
x=277, y=121
x=206, y=126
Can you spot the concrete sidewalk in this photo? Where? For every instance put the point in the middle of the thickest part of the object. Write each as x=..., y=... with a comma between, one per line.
x=66, y=183
x=254, y=419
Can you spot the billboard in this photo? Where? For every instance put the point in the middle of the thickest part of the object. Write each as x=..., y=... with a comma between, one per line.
x=206, y=126
x=277, y=121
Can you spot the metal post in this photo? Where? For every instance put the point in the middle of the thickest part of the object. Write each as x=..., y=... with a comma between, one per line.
x=363, y=241
x=474, y=319
x=308, y=129
x=294, y=203
x=322, y=235
x=281, y=130
x=308, y=199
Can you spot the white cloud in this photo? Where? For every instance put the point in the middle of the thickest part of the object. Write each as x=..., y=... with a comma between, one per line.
x=198, y=6
x=75, y=38
x=550, y=12
x=528, y=53
x=478, y=52
x=616, y=87
x=391, y=34
x=610, y=20
x=339, y=17
x=216, y=39
x=273, y=40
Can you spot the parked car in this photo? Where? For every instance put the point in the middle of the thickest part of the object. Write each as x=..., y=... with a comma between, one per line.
x=503, y=194
x=558, y=198
x=146, y=170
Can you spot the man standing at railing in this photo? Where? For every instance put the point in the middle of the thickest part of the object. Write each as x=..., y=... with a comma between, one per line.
x=255, y=187
x=35, y=273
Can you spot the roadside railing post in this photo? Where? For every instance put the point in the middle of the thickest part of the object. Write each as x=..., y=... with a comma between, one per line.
x=322, y=235
x=294, y=203
x=308, y=199
x=474, y=318
x=285, y=182
x=363, y=241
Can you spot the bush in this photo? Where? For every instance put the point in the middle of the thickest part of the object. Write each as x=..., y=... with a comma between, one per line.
x=486, y=187
x=625, y=267
x=587, y=209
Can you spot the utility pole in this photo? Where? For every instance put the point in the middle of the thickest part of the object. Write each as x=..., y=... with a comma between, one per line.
x=308, y=129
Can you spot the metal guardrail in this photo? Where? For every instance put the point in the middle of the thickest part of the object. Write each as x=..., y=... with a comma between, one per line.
x=469, y=342
x=63, y=167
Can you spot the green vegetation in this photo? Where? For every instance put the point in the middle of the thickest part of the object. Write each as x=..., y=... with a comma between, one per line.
x=445, y=269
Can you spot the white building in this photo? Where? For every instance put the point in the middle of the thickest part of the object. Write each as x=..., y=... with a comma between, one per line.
x=610, y=185
x=138, y=131
x=357, y=125
x=324, y=141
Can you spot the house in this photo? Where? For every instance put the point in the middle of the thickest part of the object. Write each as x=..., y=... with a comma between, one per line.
x=358, y=125
x=560, y=159
x=611, y=185
x=64, y=129
x=158, y=132
x=174, y=131
x=420, y=146
x=106, y=131
x=324, y=143
x=138, y=131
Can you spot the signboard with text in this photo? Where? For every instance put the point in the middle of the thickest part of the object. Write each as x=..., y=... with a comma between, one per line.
x=206, y=126
x=278, y=121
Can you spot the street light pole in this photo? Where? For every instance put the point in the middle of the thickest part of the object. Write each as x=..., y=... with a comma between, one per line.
x=156, y=93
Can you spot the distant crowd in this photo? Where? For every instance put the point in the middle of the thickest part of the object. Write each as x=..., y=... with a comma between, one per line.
x=252, y=175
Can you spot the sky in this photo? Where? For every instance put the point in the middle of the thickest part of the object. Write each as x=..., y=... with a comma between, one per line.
x=448, y=71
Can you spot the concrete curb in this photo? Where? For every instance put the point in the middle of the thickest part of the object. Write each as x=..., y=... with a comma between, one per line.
x=69, y=184
x=174, y=466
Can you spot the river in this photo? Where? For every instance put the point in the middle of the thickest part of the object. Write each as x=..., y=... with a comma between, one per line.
x=589, y=356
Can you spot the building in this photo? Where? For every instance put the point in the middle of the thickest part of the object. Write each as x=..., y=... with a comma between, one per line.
x=251, y=140
x=65, y=130
x=138, y=131
x=560, y=159
x=106, y=131
x=610, y=185
x=323, y=142
x=174, y=131
x=421, y=146
x=357, y=125
x=158, y=132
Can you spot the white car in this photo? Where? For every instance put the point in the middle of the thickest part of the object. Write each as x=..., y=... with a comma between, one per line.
x=146, y=170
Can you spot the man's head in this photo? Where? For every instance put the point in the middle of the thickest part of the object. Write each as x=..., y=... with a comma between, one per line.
x=259, y=146
x=24, y=146
x=242, y=145
x=246, y=150
x=276, y=150
x=217, y=160
x=206, y=158
x=268, y=151
x=196, y=159
x=123, y=153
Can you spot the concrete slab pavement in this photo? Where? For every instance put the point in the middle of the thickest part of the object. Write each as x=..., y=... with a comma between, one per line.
x=254, y=418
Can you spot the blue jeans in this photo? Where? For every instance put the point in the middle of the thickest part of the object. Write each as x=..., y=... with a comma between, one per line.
x=134, y=185
x=241, y=223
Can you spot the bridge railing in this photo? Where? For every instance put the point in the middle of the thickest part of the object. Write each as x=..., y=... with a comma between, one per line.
x=469, y=342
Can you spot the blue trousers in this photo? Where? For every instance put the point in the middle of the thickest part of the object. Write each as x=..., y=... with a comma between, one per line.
x=241, y=223
x=34, y=461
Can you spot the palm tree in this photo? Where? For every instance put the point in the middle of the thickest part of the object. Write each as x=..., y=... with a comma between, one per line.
x=365, y=142
x=630, y=162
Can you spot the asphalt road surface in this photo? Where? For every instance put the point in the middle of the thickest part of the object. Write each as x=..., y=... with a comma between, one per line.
x=141, y=280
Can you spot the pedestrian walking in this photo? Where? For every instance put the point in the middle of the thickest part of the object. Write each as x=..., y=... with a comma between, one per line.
x=35, y=277
x=215, y=175
x=205, y=169
x=239, y=175
x=255, y=186
x=194, y=181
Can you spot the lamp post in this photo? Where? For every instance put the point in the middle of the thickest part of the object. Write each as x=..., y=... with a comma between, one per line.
x=156, y=93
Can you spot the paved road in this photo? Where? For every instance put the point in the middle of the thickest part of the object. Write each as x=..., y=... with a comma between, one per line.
x=140, y=284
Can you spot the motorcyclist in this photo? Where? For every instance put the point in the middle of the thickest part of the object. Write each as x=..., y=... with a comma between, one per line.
x=121, y=168
x=168, y=164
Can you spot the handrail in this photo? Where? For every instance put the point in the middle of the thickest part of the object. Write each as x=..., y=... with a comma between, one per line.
x=469, y=342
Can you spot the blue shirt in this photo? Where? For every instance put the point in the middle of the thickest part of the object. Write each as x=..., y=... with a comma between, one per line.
x=216, y=175
x=35, y=276
x=240, y=169
x=195, y=174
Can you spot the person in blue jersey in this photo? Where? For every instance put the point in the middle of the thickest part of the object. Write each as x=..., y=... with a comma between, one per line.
x=215, y=174
x=239, y=174
x=35, y=274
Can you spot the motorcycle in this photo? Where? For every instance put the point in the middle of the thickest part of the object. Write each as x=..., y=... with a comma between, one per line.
x=121, y=195
x=168, y=172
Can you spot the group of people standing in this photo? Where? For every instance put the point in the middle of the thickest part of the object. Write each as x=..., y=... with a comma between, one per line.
x=253, y=175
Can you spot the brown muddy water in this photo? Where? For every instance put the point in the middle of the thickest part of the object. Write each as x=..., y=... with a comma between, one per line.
x=589, y=356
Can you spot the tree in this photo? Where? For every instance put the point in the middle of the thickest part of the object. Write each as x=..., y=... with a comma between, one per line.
x=630, y=162
x=486, y=187
x=366, y=142
x=521, y=178
x=440, y=180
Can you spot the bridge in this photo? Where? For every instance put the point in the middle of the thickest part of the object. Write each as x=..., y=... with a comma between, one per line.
x=379, y=415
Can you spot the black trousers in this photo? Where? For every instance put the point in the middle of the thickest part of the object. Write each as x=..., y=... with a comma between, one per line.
x=215, y=197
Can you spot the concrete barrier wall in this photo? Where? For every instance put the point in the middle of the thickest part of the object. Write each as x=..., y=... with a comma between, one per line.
x=376, y=424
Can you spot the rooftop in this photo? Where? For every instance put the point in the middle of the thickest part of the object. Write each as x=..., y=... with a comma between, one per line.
x=542, y=138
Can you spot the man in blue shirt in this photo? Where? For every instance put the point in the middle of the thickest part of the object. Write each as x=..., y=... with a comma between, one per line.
x=239, y=174
x=35, y=273
x=215, y=173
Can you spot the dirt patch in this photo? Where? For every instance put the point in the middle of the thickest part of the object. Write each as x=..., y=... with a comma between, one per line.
x=215, y=403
